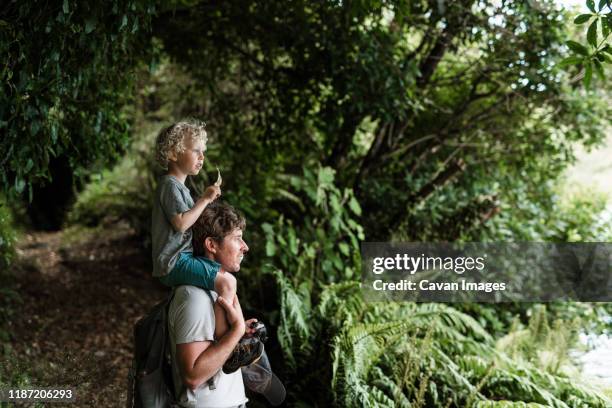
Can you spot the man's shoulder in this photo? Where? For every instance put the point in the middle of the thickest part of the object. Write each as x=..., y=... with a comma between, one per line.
x=191, y=316
x=188, y=294
x=191, y=306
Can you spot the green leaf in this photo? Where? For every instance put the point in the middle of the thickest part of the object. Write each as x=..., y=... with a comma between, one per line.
x=574, y=60
x=582, y=18
x=19, y=185
x=267, y=228
x=344, y=248
x=326, y=266
x=326, y=176
x=601, y=5
x=354, y=206
x=90, y=25
x=66, y=7
x=293, y=243
x=334, y=202
x=360, y=234
x=337, y=262
x=606, y=25
x=270, y=248
x=54, y=133
x=577, y=47
x=599, y=70
x=124, y=22
x=588, y=74
x=592, y=34
x=591, y=5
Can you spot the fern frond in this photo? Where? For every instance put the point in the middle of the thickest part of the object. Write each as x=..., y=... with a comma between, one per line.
x=295, y=328
x=506, y=404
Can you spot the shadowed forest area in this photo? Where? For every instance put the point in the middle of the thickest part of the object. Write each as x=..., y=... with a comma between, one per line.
x=333, y=123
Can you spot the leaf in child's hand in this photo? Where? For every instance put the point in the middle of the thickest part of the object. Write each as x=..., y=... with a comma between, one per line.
x=219, y=180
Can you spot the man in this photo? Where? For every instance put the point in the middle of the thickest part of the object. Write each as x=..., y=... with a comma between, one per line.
x=196, y=357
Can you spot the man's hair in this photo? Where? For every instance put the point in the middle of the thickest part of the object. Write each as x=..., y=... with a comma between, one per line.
x=172, y=139
x=217, y=221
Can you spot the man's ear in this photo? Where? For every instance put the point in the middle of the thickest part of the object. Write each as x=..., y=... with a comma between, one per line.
x=210, y=245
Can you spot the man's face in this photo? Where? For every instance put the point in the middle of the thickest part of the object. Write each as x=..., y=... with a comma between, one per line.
x=231, y=251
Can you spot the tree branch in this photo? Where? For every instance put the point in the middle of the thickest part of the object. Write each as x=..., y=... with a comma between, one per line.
x=443, y=178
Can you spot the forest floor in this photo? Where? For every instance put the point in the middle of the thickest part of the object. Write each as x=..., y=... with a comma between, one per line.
x=81, y=292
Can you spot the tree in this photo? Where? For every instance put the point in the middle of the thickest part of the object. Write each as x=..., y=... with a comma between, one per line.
x=65, y=79
x=416, y=104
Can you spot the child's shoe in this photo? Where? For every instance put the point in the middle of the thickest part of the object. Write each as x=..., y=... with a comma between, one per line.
x=260, y=331
x=247, y=351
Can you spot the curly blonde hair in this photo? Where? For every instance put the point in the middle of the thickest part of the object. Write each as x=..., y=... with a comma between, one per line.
x=172, y=139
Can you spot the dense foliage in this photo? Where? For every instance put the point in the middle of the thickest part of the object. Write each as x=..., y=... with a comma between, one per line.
x=7, y=235
x=597, y=51
x=443, y=111
x=406, y=354
x=65, y=80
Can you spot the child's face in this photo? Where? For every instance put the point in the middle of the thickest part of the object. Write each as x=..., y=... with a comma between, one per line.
x=191, y=160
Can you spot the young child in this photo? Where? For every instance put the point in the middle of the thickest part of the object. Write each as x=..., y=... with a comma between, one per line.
x=180, y=149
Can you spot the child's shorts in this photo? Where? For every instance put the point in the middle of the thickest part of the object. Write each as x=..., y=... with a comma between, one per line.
x=192, y=270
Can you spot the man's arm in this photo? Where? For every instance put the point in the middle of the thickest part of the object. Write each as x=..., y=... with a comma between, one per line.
x=198, y=361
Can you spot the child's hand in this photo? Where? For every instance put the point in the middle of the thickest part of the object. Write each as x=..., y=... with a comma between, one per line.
x=211, y=193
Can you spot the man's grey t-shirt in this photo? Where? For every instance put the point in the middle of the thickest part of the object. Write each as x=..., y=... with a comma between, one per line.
x=171, y=198
x=191, y=318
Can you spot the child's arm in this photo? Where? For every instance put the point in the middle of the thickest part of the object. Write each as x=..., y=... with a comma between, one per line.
x=225, y=286
x=183, y=221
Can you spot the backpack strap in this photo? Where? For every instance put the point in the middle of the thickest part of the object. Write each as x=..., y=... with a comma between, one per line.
x=166, y=354
x=212, y=300
x=211, y=380
x=166, y=309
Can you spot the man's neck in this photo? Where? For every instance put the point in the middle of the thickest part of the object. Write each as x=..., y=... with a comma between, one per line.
x=210, y=256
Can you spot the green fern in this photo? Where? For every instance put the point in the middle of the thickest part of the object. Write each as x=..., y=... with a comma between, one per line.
x=351, y=353
x=507, y=404
x=294, y=330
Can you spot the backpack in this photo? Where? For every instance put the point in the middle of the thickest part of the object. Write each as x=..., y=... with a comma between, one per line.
x=150, y=383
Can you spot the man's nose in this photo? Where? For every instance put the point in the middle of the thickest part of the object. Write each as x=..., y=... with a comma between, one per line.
x=245, y=247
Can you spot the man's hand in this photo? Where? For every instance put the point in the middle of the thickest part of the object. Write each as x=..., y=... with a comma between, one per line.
x=233, y=314
x=211, y=193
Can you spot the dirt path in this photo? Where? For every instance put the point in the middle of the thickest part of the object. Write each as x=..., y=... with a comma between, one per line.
x=82, y=292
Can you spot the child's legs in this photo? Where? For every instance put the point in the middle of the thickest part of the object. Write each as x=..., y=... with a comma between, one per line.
x=225, y=286
x=202, y=272
x=190, y=270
